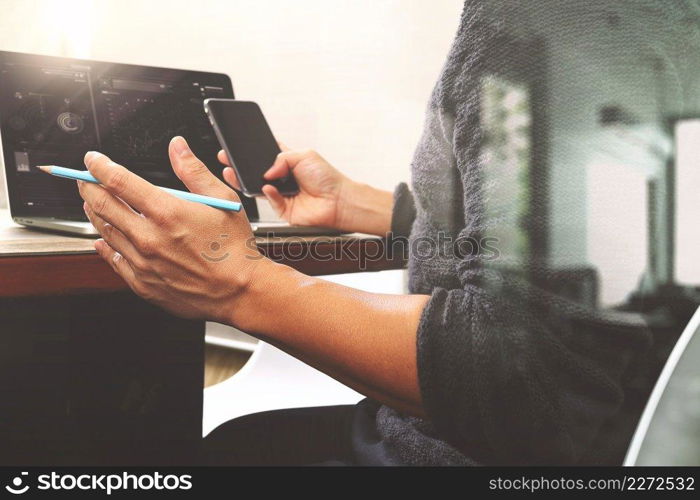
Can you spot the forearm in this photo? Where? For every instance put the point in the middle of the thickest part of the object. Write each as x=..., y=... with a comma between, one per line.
x=365, y=340
x=364, y=209
x=406, y=407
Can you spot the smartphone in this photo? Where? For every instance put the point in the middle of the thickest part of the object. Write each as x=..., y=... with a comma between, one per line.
x=248, y=142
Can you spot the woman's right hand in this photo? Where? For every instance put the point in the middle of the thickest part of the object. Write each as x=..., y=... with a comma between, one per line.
x=321, y=188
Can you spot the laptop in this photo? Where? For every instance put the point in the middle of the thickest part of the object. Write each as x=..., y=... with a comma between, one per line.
x=668, y=432
x=53, y=110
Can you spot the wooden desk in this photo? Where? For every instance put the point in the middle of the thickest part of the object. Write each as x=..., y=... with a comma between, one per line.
x=40, y=263
x=91, y=374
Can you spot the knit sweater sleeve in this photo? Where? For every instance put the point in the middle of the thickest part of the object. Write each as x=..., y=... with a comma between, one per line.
x=404, y=211
x=511, y=370
x=509, y=377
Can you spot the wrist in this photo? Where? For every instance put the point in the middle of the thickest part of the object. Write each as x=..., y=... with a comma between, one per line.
x=363, y=208
x=252, y=309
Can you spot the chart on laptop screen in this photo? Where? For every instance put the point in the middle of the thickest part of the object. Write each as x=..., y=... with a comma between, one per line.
x=54, y=110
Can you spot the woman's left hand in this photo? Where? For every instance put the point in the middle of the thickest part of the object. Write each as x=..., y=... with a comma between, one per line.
x=191, y=259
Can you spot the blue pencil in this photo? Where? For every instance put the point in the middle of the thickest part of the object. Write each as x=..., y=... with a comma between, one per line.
x=84, y=175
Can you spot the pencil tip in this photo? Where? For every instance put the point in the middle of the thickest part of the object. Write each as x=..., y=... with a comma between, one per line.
x=44, y=168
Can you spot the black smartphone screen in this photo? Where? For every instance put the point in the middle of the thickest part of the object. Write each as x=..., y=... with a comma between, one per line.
x=248, y=141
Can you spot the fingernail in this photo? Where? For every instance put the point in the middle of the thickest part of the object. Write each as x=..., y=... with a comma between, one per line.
x=89, y=156
x=180, y=145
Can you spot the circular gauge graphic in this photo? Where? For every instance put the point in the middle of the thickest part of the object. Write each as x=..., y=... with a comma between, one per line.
x=70, y=123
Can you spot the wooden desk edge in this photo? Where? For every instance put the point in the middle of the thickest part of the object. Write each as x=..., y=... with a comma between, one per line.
x=51, y=274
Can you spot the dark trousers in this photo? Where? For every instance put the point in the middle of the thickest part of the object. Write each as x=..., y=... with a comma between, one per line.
x=300, y=436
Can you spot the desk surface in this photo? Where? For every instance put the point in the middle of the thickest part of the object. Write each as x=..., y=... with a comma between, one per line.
x=16, y=241
x=42, y=263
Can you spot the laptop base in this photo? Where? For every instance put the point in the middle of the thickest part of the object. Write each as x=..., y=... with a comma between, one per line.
x=260, y=228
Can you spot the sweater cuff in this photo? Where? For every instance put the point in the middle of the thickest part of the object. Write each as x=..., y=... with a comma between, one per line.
x=444, y=358
x=404, y=211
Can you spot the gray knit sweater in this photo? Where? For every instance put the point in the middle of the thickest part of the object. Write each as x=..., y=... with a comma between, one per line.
x=512, y=369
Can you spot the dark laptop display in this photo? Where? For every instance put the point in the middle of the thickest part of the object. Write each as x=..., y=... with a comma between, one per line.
x=53, y=110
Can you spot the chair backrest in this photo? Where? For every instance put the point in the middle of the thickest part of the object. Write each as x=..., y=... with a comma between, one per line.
x=667, y=432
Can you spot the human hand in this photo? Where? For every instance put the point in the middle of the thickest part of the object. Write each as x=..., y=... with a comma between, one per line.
x=193, y=260
x=322, y=188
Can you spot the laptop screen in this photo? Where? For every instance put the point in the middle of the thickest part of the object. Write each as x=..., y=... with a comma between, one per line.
x=53, y=110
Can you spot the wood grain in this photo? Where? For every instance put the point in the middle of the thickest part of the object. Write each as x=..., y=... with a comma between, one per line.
x=38, y=264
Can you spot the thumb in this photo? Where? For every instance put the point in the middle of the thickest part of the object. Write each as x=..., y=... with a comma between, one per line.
x=194, y=174
x=277, y=201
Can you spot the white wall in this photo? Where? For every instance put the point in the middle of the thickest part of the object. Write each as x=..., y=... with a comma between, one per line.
x=347, y=78
x=687, y=231
x=619, y=261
